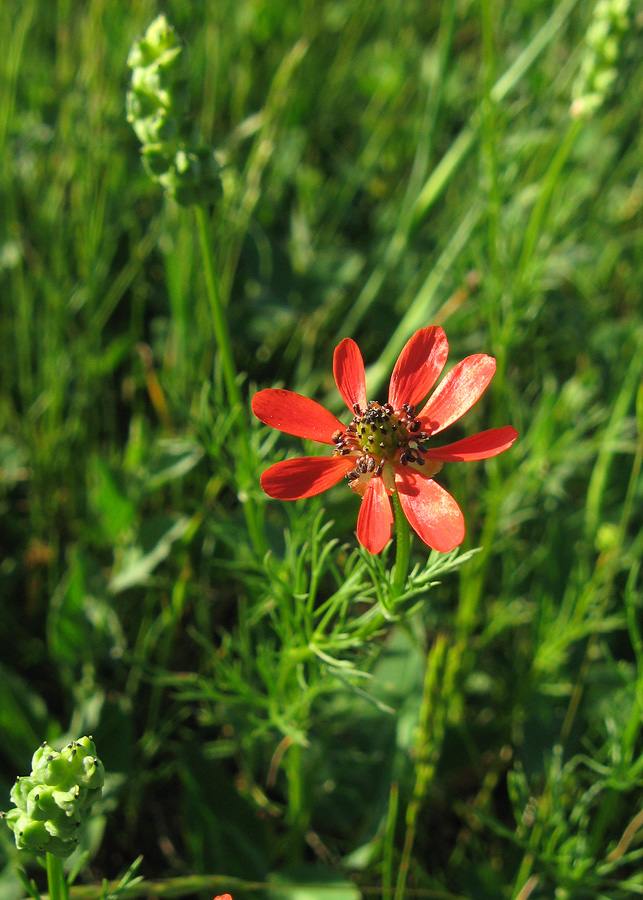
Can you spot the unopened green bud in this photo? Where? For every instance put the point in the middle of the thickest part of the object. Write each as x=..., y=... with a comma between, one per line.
x=55, y=800
x=159, y=40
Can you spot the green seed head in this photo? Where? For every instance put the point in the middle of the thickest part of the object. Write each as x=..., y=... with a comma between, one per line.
x=598, y=69
x=55, y=800
x=185, y=167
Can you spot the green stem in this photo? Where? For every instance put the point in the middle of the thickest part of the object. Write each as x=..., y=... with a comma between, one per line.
x=219, y=322
x=402, y=549
x=430, y=735
x=55, y=878
x=297, y=814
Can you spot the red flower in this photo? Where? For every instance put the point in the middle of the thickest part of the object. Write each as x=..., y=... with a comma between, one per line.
x=387, y=447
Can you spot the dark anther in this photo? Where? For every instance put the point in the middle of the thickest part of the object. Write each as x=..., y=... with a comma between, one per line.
x=336, y=436
x=352, y=475
x=50, y=757
x=415, y=426
x=44, y=744
x=357, y=409
x=73, y=752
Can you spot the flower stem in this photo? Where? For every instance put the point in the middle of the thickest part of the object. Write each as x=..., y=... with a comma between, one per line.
x=296, y=815
x=402, y=548
x=55, y=878
x=219, y=322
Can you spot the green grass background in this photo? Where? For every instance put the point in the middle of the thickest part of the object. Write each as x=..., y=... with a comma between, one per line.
x=391, y=165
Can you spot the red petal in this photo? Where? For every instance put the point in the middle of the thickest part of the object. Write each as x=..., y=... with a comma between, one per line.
x=294, y=414
x=418, y=366
x=478, y=446
x=431, y=511
x=375, y=517
x=348, y=369
x=305, y=476
x=460, y=389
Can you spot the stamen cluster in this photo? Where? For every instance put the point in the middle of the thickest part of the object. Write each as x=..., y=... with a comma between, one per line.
x=380, y=434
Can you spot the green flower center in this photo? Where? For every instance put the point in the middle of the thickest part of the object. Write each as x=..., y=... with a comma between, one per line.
x=379, y=431
x=381, y=434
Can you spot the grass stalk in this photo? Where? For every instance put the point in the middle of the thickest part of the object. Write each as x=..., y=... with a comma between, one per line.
x=548, y=186
x=217, y=314
x=443, y=172
x=428, y=743
x=297, y=813
x=389, y=842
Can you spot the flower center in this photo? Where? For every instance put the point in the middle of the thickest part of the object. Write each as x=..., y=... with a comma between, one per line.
x=379, y=435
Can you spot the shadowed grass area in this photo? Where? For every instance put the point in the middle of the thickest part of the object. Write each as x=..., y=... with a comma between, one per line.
x=266, y=707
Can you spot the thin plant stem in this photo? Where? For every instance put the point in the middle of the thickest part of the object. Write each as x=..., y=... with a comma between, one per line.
x=297, y=813
x=489, y=135
x=219, y=322
x=402, y=548
x=55, y=878
x=429, y=741
x=389, y=840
